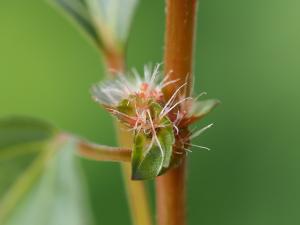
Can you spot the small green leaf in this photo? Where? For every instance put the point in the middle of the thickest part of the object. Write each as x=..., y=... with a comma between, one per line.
x=166, y=139
x=112, y=20
x=147, y=158
x=40, y=181
x=126, y=107
x=152, y=155
x=107, y=22
x=202, y=108
x=165, y=134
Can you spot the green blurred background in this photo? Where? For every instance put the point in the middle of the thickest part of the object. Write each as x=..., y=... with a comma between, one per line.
x=247, y=55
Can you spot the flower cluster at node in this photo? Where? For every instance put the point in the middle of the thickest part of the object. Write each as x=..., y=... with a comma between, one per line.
x=138, y=103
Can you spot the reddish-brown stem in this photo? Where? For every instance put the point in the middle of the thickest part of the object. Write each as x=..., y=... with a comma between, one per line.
x=114, y=61
x=179, y=43
x=179, y=40
x=170, y=195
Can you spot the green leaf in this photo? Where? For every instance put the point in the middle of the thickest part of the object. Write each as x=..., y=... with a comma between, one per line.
x=147, y=158
x=40, y=180
x=107, y=22
x=151, y=156
x=19, y=130
x=166, y=139
x=112, y=19
x=202, y=108
x=31, y=135
x=78, y=12
x=165, y=135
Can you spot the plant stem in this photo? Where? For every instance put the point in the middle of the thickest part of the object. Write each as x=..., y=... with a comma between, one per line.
x=114, y=61
x=170, y=195
x=136, y=190
x=179, y=43
x=179, y=40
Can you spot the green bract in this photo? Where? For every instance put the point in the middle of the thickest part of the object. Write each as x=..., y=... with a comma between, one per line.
x=196, y=110
x=200, y=109
x=147, y=158
x=152, y=152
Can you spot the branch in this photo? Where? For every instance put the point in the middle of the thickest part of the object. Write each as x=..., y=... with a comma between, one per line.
x=103, y=153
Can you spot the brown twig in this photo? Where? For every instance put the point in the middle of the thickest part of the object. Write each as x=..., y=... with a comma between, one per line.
x=179, y=40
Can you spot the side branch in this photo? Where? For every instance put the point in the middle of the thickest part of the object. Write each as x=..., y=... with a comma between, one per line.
x=103, y=153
